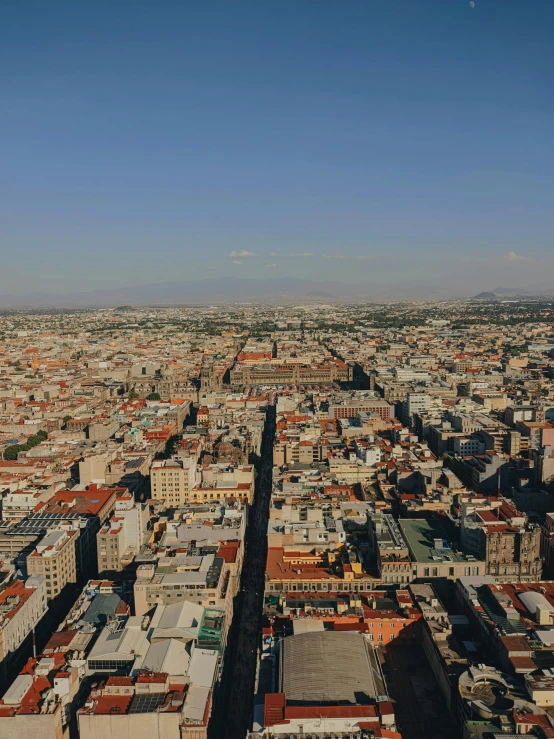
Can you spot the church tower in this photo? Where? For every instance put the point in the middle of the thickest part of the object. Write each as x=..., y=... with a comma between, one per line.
x=207, y=375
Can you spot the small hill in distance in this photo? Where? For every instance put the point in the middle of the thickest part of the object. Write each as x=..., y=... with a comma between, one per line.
x=485, y=296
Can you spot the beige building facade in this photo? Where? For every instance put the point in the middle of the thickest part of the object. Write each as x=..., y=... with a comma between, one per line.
x=172, y=480
x=54, y=558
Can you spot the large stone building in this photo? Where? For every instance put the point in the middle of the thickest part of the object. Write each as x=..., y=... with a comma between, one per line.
x=324, y=373
x=169, y=384
x=316, y=571
x=209, y=379
x=496, y=532
x=352, y=406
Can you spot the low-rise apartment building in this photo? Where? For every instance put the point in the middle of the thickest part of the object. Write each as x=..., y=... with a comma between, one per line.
x=172, y=480
x=202, y=579
x=22, y=605
x=121, y=538
x=54, y=558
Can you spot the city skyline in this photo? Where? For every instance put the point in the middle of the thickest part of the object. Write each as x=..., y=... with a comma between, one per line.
x=276, y=369
x=259, y=521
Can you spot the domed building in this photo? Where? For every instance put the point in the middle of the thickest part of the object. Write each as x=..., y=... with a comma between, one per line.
x=490, y=702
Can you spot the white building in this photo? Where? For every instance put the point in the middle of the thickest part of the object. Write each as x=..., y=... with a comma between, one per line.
x=22, y=605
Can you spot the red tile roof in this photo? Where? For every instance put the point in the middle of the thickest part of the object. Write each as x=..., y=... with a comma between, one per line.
x=315, y=712
x=274, y=708
x=229, y=551
x=119, y=681
x=107, y=704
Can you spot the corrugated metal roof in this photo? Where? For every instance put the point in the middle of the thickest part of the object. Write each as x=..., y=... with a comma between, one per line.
x=327, y=667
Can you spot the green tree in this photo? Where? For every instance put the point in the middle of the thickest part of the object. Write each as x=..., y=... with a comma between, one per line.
x=153, y=396
x=11, y=453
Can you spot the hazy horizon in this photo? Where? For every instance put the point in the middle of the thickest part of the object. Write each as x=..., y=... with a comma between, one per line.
x=230, y=290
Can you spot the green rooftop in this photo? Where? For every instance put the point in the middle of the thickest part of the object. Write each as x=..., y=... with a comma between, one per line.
x=420, y=535
x=211, y=627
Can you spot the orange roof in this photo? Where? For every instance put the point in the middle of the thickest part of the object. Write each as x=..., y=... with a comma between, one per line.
x=112, y=704
x=151, y=677
x=228, y=551
x=18, y=589
x=274, y=708
x=317, y=712
x=487, y=516
x=89, y=501
x=120, y=681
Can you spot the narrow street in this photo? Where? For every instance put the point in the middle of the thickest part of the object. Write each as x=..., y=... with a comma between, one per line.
x=234, y=710
x=418, y=703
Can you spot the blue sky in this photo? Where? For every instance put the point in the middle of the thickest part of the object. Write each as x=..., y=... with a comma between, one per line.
x=375, y=141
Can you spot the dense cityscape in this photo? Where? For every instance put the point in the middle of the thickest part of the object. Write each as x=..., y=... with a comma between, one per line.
x=276, y=369
x=290, y=521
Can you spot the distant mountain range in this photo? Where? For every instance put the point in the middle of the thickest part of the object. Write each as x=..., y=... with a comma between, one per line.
x=225, y=290
x=513, y=292
x=222, y=290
